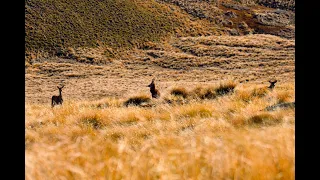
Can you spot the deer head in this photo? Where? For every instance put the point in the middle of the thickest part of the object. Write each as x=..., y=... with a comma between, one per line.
x=272, y=84
x=60, y=88
x=151, y=84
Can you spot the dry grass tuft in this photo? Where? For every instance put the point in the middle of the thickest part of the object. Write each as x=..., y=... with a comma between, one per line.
x=194, y=110
x=205, y=92
x=92, y=119
x=259, y=92
x=264, y=119
x=137, y=100
x=175, y=100
x=179, y=91
x=211, y=92
x=249, y=94
x=226, y=87
x=283, y=96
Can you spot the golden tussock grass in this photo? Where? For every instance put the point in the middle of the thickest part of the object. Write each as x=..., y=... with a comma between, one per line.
x=221, y=138
x=137, y=100
x=179, y=91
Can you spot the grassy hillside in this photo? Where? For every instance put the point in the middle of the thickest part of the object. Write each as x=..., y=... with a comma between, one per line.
x=54, y=24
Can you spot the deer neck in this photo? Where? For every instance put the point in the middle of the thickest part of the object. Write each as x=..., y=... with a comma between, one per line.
x=60, y=94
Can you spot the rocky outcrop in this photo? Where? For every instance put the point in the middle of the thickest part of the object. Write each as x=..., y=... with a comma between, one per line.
x=279, y=4
x=286, y=105
x=275, y=18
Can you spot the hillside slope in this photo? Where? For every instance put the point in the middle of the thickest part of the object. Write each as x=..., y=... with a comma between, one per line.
x=53, y=26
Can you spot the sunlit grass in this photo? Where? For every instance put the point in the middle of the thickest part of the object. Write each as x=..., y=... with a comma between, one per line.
x=224, y=137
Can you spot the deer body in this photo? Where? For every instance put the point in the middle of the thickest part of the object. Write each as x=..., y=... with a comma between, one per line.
x=55, y=100
x=154, y=92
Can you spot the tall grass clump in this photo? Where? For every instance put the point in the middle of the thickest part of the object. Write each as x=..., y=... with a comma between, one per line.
x=179, y=91
x=91, y=119
x=213, y=91
x=205, y=92
x=137, y=100
x=249, y=94
x=226, y=87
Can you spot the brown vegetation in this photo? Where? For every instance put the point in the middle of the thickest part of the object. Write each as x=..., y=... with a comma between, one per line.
x=216, y=118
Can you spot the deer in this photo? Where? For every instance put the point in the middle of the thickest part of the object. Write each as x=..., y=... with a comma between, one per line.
x=55, y=100
x=154, y=92
x=272, y=84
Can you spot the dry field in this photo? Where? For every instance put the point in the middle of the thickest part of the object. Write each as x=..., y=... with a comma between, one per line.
x=185, y=61
x=201, y=136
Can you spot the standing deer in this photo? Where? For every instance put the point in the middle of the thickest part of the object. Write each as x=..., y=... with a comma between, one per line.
x=55, y=100
x=272, y=84
x=154, y=92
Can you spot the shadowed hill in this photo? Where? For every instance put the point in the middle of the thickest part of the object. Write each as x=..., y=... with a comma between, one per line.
x=53, y=24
